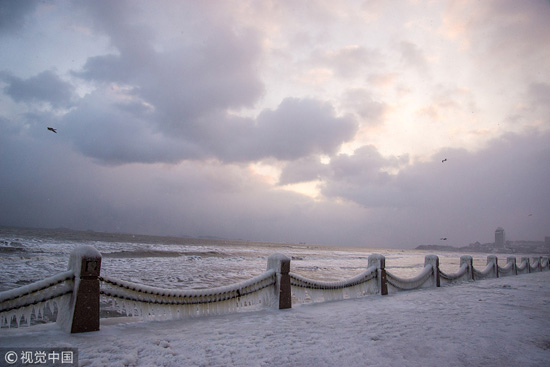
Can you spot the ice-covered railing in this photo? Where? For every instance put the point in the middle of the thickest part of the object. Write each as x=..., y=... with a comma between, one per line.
x=411, y=283
x=32, y=300
x=135, y=299
x=490, y=271
x=463, y=273
x=304, y=289
x=524, y=267
x=377, y=280
x=144, y=301
x=71, y=294
x=373, y=280
x=76, y=293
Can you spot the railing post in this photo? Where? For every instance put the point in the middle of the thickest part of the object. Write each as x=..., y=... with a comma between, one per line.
x=380, y=262
x=512, y=260
x=545, y=266
x=467, y=259
x=281, y=264
x=540, y=263
x=81, y=314
x=433, y=260
x=493, y=259
x=528, y=266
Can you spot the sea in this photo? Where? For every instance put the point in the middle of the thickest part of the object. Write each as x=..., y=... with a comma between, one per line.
x=28, y=255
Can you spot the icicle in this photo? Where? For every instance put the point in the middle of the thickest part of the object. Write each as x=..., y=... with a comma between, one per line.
x=50, y=306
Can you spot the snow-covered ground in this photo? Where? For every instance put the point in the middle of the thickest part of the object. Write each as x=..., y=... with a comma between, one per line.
x=496, y=322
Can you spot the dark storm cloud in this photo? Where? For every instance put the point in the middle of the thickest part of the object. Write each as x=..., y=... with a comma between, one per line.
x=171, y=105
x=299, y=128
x=363, y=178
x=45, y=87
x=192, y=198
x=500, y=184
x=213, y=67
x=13, y=14
x=115, y=133
x=303, y=170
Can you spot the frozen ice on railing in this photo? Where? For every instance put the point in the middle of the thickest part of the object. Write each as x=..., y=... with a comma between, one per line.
x=455, y=276
x=139, y=300
x=166, y=308
x=192, y=292
x=26, y=313
x=31, y=299
x=489, y=269
x=305, y=295
x=36, y=286
x=300, y=281
x=508, y=269
x=305, y=289
x=410, y=283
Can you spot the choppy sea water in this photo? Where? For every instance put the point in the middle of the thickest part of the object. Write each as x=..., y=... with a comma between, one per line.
x=29, y=255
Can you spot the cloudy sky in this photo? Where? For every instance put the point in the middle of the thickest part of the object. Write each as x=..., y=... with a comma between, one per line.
x=285, y=120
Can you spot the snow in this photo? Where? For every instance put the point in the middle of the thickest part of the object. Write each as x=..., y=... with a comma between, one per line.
x=82, y=252
x=493, y=322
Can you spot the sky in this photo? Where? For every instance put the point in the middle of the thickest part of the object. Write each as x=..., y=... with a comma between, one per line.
x=360, y=123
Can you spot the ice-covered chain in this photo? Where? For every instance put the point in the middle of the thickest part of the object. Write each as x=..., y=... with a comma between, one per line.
x=303, y=282
x=36, y=286
x=141, y=293
x=412, y=283
x=455, y=276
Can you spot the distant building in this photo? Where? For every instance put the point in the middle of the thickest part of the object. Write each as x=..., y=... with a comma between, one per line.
x=547, y=241
x=499, y=238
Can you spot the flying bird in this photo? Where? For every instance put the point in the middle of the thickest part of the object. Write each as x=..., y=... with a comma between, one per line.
x=443, y=238
x=443, y=161
x=52, y=129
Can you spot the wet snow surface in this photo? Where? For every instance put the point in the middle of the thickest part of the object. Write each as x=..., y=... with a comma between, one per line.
x=496, y=322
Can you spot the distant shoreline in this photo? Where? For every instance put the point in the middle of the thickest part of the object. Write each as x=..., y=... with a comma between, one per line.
x=535, y=248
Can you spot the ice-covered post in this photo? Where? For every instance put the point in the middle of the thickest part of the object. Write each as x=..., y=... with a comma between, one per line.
x=281, y=264
x=493, y=259
x=433, y=260
x=512, y=260
x=544, y=264
x=467, y=259
x=527, y=261
x=380, y=262
x=81, y=314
